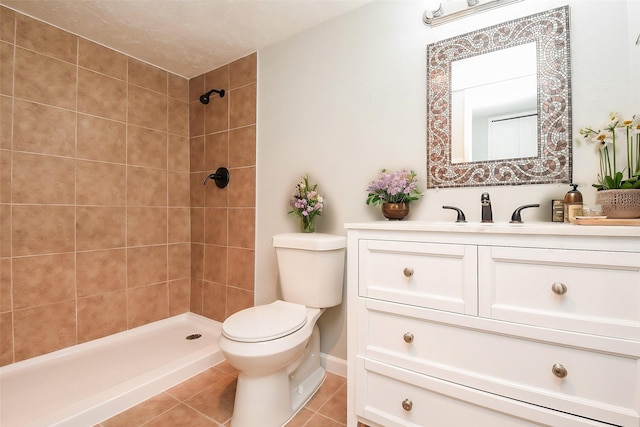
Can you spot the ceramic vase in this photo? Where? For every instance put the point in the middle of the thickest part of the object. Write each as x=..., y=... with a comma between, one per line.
x=619, y=204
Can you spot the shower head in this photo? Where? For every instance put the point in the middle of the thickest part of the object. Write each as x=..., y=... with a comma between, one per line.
x=205, y=98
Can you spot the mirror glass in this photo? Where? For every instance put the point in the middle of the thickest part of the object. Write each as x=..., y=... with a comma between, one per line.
x=499, y=104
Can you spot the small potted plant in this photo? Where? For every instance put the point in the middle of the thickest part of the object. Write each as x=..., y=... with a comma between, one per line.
x=618, y=184
x=306, y=203
x=394, y=191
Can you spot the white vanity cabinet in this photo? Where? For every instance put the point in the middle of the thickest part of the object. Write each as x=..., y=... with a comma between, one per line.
x=493, y=325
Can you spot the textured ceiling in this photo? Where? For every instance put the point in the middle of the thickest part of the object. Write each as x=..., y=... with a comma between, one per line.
x=185, y=37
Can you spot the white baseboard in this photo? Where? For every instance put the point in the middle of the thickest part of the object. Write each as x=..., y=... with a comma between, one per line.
x=333, y=364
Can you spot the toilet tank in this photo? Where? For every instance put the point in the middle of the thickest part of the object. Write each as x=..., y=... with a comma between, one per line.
x=311, y=268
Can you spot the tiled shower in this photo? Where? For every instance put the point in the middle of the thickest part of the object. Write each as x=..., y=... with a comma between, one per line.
x=105, y=223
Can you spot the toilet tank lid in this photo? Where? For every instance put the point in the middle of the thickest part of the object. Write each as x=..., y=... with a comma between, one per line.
x=309, y=241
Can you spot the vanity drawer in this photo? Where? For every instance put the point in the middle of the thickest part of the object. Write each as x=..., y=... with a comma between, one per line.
x=394, y=397
x=506, y=365
x=432, y=275
x=594, y=292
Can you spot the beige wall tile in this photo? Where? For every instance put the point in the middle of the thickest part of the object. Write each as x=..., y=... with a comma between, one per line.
x=179, y=225
x=196, y=154
x=44, y=79
x=242, y=228
x=98, y=272
x=101, y=59
x=100, y=227
x=6, y=118
x=216, y=114
x=5, y=230
x=146, y=226
x=214, y=301
x=146, y=147
x=178, y=117
x=241, y=268
x=197, y=225
x=146, y=187
x=146, y=265
x=216, y=151
x=41, y=179
x=146, y=108
x=179, y=264
x=242, y=106
x=179, y=189
x=178, y=154
x=101, y=95
x=197, y=188
x=243, y=71
x=178, y=88
x=7, y=24
x=197, y=260
x=6, y=338
x=179, y=296
x=238, y=299
x=242, y=147
x=243, y=191
x=196, y=88
x=42, y=229
x=102, y=315
x=147, y=76
x=196, y=119
x=5, y=176
x=101, y=139
x=44, y=329
x=6, y=293
x=43, y=129
x=6, y=68
x=214, y=196
x=147, y=304
x=99, y=183
x=42, y=280
x=195, y=301
x=215, y=226
x=217, y=79
x=46, y=39
x=215, y=264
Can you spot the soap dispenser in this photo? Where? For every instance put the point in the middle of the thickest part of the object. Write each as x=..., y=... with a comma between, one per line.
x=572, y=203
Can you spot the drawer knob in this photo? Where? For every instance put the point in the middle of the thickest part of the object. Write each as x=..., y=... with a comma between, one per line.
x=408, y=272
x=559, y=288
x=407, y=405
x=559, y=370
x=408, y=337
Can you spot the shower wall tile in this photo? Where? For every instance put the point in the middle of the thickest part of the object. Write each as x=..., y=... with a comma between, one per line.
x=216, y=118
x=85, y=252
x=243, y=71
x=197, y=260
x=179, y=225
x=44, y=279
x=178, y=154
x=42, y=229
x=147, y=304
x=242, y=147
x=197, y=188
x=101, y=315
x=99, y=183
x=195, y=302
x=6, y=68
x=242, y=228
x=215, y=197
x=215, y=226
x=45, y=39
x=101, y=95
x=238, y=299
x=146, y=108
x=99, y=272
x=242, y=106
x=7, y=25
x=44, y=79
x=43, y=129
x=243, y=192
x=178, y=88
x=196, y=118
x=147, y=76
x=146, y=147
x=101, y=139
x=95, y=57
x=146, y=265
x=40, y=179
x=196, y=88
x=33, y=336
x=196, y=154
x=214, y=301
x=241, y=270
x=216, y=151
x=100, y=227
x=146, y=226
x=215, y=264
x=197, y=225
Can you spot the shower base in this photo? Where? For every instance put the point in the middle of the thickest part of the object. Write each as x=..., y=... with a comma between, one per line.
x=90, y=382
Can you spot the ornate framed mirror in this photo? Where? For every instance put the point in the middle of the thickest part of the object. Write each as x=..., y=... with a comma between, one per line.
x=499, y=104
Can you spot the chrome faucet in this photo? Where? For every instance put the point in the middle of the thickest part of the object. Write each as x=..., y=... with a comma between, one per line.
x=487, y=214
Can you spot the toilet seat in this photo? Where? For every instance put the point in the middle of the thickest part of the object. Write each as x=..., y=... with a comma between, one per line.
x=265, y=322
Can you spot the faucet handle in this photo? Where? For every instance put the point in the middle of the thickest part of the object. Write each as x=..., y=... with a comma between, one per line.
x=515, y=217
x=461, y=217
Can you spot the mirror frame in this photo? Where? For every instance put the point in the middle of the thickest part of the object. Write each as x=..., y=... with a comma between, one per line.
x=553, y=164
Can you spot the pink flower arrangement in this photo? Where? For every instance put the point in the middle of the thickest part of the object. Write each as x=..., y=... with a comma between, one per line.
x=393, y=187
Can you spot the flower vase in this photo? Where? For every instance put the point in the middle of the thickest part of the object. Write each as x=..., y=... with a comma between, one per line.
x=395, y=211
x=619, y=204
x=307, y=225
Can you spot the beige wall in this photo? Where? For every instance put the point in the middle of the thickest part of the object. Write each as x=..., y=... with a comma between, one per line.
x=95, y=191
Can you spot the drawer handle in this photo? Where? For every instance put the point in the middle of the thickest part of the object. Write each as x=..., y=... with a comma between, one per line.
x=408, y=272
x=559, y=370
x=408, y=337
x=559, y=288
x=407, y=405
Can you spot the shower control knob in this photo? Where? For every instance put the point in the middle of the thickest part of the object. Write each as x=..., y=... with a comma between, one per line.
x=559, y=288
x=407, y=405
x=559, y=370
x=408, y=272
x=408, y=337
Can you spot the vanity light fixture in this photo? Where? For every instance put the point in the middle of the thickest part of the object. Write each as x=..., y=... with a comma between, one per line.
x=441, y=12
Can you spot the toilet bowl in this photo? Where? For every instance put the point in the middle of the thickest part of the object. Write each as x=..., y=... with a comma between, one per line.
x=276, y=347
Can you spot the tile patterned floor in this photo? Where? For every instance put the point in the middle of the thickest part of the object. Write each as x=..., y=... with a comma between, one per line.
x=206, y=400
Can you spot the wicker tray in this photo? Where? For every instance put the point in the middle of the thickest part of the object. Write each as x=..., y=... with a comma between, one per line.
x=606, y=221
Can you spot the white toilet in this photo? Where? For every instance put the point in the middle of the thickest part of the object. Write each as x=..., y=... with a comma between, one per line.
x=276, y=347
